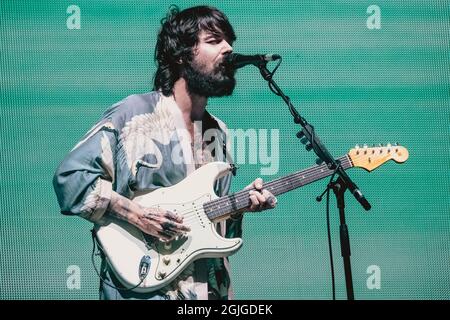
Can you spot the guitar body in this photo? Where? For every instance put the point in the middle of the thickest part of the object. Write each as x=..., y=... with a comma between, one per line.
x=126, y=247
x=143, y=263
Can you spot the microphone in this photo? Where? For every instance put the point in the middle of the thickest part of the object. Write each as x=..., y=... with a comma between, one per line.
x=239, y=60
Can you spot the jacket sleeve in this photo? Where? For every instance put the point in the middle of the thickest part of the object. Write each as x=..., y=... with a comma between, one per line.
x=84, y=180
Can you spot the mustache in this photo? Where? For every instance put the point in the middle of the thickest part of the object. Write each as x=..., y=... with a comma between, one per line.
x=226, y=67
x=226, y=62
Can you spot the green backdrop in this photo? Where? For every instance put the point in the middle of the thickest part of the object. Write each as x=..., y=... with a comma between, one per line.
x=354, y=84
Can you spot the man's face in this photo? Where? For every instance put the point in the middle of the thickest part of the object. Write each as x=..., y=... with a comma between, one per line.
x=206, y=74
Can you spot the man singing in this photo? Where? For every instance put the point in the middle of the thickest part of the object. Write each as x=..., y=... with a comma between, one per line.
x=137, y=145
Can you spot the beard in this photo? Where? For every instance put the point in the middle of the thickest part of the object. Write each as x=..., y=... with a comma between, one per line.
x=217, y=83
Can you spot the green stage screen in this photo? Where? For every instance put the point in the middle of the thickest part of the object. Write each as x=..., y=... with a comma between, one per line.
x=362, y=72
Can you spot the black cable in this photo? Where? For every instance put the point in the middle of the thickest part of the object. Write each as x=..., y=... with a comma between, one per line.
x=272, y=89
x=271, y=75
x=330, y=247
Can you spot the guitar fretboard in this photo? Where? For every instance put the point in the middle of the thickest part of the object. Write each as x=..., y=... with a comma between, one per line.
x=232, y=203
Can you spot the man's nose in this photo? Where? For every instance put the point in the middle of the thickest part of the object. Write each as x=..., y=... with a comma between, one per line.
x=227, y=48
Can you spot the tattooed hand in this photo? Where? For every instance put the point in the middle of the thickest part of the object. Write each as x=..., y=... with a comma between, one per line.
x=161, y=223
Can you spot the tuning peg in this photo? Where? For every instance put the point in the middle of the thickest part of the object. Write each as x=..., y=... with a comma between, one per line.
x=380, y=145
x=300, y=134
x=309, y=147
x=319, y=161
x=365, y=148
x=389, y=145
x=304, y=140
x=357, y=146
x=396, y=144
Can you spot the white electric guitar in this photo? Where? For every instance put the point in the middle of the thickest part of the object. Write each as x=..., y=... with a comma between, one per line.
x=145, y=264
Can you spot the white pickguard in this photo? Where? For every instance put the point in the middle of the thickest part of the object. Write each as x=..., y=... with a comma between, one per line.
x=124, y=245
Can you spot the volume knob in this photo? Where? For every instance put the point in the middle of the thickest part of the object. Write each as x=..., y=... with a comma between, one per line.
x=166, y=260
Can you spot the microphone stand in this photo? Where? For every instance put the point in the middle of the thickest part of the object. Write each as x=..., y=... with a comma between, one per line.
x=339, y=186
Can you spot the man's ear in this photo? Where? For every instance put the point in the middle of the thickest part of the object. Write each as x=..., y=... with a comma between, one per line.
x=180, y=61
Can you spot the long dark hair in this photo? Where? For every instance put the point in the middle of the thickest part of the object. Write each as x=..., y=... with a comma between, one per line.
x=178, y=36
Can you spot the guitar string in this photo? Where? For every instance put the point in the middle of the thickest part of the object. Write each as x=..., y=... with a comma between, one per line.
x=241, y=195
x=278, y=183
x=275, y=185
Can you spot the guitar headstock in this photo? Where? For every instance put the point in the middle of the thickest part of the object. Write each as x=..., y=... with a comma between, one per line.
x=370, y=158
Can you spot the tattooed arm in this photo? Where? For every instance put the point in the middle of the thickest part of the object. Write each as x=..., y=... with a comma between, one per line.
x=160, y=223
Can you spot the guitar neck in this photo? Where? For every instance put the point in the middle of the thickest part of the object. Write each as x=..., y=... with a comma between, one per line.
x=222, y=207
